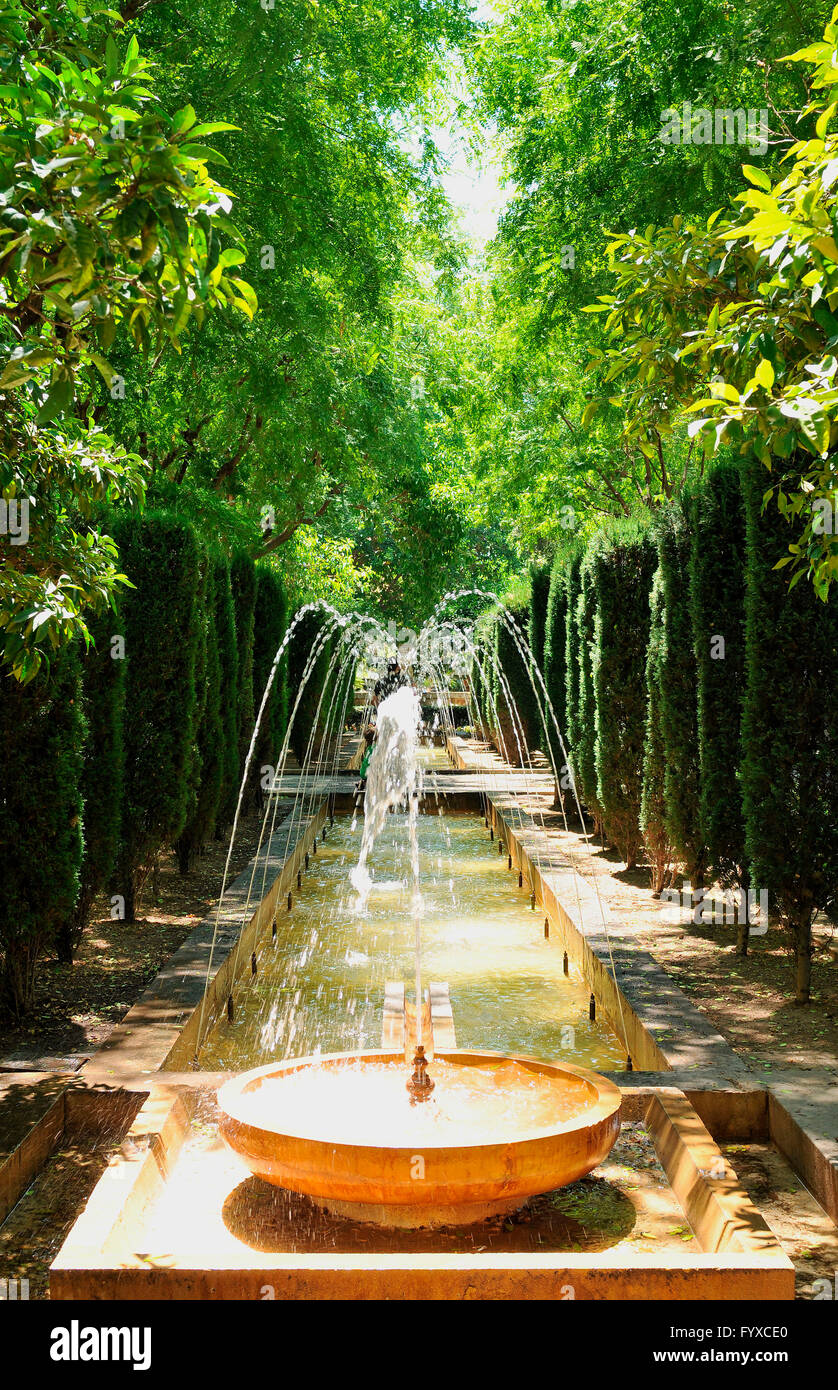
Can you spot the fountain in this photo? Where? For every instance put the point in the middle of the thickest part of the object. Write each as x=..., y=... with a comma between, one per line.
x=473, y=1139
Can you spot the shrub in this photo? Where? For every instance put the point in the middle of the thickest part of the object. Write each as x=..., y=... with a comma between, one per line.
x=620, y=567
x=159, y=554
x=304, y=737
x=539, y=598
x=717, y=600
x=103, y=676
x=678, y=700
x=653, y=821
x=243, y=581
x=584, y=748
x=207, y=750
x=271, y=624
x=228, y=684
x=42, y=730
x=573, y=651
x=555, y=652
x=789, y=732
x=520, y=734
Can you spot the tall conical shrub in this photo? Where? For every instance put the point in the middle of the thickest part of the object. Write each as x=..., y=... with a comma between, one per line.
x=42, y=733
x=228, y=685
x=653, y=799
x=160, y=555
x=573, y=652
x=678, y=695
x=621, y=567
x=103, y=675
x=520, y=725
x=717, y=600
x=243, y=581
x=207, y=769
x=789, y=731
x=271, y=623
x=584, y=702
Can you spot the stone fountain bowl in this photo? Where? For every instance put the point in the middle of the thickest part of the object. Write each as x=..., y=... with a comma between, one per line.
x=406, y=1174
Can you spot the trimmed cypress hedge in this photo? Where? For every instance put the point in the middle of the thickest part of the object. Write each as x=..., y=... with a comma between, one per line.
x=539, y=598
x=243, y=581
x=555, y=649
x=678, y=697
x=160, y=555
x=304, y=739
x=717, y=596
x=789, y=732
x=103, y=674
x=573, y=650
x=228, y=663
x=620, y=567
x=42, y=731
x=521, y=735
x=584, y=699
x=271, y=624
x=653, y=821
x=207, y=751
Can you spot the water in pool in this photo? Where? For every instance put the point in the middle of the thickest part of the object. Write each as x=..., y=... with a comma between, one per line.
x=320, y=985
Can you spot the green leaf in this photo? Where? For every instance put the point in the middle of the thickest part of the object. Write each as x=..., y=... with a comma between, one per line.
x=59, y=398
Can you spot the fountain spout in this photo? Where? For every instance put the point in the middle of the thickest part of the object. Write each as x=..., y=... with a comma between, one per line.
x=420, y=1085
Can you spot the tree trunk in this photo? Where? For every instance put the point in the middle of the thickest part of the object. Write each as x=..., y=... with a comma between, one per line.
x=744, y=926
x=803, y=955
x=17, y=980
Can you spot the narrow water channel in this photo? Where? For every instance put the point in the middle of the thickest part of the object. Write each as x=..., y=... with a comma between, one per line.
x=320, y=986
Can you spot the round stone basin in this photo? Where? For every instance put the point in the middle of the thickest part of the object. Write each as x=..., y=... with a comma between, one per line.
x=497, y=1130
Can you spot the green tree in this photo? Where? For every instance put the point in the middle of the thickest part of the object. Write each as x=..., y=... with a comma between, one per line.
x=112, y=240
x=789, y=734
x=621, y=567
x=717, y=592
x=42, y=727
x=678, y=705
x=653, y=821
x=207, y=749
x=584, y=699
x=243, y=582
x=103, y=671
x=271, y=624
x=159, y=618
x=228, y=661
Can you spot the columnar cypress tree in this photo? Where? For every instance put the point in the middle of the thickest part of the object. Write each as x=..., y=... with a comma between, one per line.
x=621, y=567
x=186, y=847
x=207, y=753
x=539, y=597
x=159, y=554
x=717, y=593
x=789, y=732
x=103, y=673
x=271, y=623
x=243, y=580
x=302, y=645
x=42, y=733
x=522, y=734
x=573, y=651
x=678, y=698
x=225, y=633
x=555, y=640
x=653, y=799
x=584, y=748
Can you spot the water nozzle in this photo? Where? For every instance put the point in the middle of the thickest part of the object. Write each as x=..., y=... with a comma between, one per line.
x=420, y=1085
